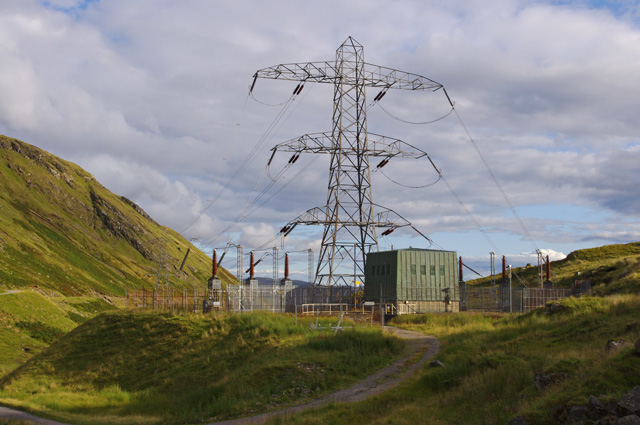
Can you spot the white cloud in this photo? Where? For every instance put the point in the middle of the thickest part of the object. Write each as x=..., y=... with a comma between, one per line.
x=151, y=96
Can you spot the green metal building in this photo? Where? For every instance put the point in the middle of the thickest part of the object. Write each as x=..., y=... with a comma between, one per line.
x=413, y=280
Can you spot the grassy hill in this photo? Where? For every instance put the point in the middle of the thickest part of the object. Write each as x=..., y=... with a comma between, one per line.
x=136, y=368
x=69, y=249
x=31, y=321
x=62, y=231
x=490, y=364
x=611, y=269
x=159, y=368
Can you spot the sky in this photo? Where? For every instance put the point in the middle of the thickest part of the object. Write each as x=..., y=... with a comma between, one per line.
x=152, y=98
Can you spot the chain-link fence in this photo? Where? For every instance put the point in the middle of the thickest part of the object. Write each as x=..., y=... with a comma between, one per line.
x=499, y=298
x=502, y=298
x=242, y=298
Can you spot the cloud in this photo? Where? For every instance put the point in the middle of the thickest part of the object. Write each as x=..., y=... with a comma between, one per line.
x=152, y=98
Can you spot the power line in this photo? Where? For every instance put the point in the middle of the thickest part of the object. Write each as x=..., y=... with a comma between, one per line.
x=495, y=179
x=411, y=122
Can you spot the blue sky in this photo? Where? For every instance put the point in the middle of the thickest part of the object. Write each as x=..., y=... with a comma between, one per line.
x=152, y=98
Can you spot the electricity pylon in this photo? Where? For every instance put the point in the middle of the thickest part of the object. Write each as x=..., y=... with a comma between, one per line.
x=348, y=217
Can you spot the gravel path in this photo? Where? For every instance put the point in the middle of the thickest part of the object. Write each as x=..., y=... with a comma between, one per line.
x=420, y=348
x=7, y=413
x=12, y=291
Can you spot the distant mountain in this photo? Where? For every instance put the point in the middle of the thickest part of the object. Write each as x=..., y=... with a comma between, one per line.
x=61, y=230
x=269, y=281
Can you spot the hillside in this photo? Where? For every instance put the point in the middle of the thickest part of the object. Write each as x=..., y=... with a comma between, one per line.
x=126, y=368
x=62, y=231
x=146, y=367
x=611, y=269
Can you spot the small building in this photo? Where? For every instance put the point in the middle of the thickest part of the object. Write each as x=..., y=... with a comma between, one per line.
x=413, y=280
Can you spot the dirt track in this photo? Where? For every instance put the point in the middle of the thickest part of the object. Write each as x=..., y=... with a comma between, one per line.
x=420, y=348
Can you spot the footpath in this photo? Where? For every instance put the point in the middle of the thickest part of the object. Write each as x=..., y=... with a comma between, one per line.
x=420, y=348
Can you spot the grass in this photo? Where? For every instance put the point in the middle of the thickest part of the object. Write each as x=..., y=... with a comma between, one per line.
x=490, y=363
x=31, y=321
x=62, y=231
x=123, y=367
x=611, y=269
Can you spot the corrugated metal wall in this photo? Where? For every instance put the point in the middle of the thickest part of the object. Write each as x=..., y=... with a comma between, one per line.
x=381, y=276
x=411, y=275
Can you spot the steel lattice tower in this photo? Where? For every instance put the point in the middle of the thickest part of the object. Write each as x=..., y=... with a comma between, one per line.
x=348, y=217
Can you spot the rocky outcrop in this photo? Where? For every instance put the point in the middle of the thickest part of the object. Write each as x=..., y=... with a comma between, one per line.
x=118, y=224
x=614, y=346
x=630, y=403
x=137, y=209
x=600, y=411
x=543, y=380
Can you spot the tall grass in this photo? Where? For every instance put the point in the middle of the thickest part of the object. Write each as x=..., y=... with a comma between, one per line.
x=183, y=368
x=490, y=363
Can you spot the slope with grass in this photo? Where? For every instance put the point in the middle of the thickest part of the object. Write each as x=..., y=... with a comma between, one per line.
x=61, y=230
x=611, y=269
x=161, y=368
x=490, y=364
x=31, y=321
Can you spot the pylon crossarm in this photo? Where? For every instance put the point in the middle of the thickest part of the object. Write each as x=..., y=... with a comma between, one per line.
x=378, y=145
x=318, y=72
x=380, y=76
x=386, y=218
x=325, y=72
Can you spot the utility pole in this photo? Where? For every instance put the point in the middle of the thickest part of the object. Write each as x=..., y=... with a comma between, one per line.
x=493, y=267
x=348, y=216
x=540, y=268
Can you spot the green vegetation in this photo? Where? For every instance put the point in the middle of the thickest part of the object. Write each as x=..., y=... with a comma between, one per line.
x=62, y=231
x=490, y=364
x=30, y=321
x=122, y=367
x=611, y=269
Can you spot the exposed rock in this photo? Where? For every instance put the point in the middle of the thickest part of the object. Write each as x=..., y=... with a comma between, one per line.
x=543, y=380
x=560, y=413
x=118, y=224
x=517, y=421
x=577, y=415
x=630, y=403
x=614, y=346
x=436, y=363
x=607, y=420
x=596, y=408
x=629, y=420
x=137, y=208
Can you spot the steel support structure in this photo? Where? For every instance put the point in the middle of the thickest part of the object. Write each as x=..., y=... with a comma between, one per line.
x=275, y=266
x=310, y=265
x=348, y=216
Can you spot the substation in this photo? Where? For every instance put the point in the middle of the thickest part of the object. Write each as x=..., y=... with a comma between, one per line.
x=351, y=273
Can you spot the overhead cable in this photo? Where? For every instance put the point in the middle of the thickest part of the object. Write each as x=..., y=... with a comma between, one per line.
x=495, y=179
x=416, y=123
